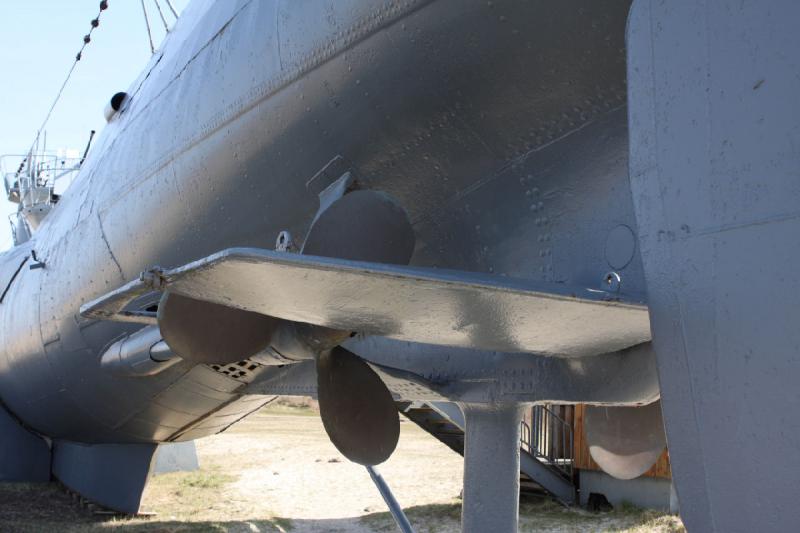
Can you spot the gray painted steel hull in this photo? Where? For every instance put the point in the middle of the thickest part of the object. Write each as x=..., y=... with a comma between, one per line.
x=501, y=128
x=453, y=109
x=714, y=112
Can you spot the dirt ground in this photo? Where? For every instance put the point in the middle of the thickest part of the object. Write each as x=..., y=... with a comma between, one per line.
x=277, y=471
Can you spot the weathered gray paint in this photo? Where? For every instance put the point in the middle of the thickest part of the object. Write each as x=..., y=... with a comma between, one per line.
x=24, y=456
x=554, y=483
x=249, y=100
x=458, y=309
x=113, y=475
x=501, y=129
x=142, y=354
x=491, y=468
x=428, y=372
x=715, y=153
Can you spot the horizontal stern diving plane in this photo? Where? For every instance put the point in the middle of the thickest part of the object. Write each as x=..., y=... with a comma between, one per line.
x=477, y=205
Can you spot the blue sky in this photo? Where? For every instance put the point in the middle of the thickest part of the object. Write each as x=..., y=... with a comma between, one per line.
x=37, y=46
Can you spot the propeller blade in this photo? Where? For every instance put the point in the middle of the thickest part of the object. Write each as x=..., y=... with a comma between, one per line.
x=625, y=441
x=357, y=409
x=362, y=226
x=209, y=333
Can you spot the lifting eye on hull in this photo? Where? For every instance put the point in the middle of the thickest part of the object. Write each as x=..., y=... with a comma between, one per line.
x=115, y=105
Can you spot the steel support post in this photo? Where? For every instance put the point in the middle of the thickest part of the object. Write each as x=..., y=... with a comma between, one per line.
x=491, y=468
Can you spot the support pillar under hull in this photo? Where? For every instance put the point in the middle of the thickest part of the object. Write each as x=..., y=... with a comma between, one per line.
x=491, y=468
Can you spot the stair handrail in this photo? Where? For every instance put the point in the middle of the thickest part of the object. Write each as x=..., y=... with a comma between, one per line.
x=551, y=440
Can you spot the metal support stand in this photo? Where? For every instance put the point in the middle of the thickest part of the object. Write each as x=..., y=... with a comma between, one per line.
x=391, y=502
x=491, y=468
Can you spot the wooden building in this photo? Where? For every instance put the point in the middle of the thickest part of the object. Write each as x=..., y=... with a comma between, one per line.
x=556, y=435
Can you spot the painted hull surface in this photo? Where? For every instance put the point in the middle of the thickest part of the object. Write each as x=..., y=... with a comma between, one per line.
x=500, y=127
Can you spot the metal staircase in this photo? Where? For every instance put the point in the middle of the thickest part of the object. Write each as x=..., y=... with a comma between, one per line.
x=546, y=445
